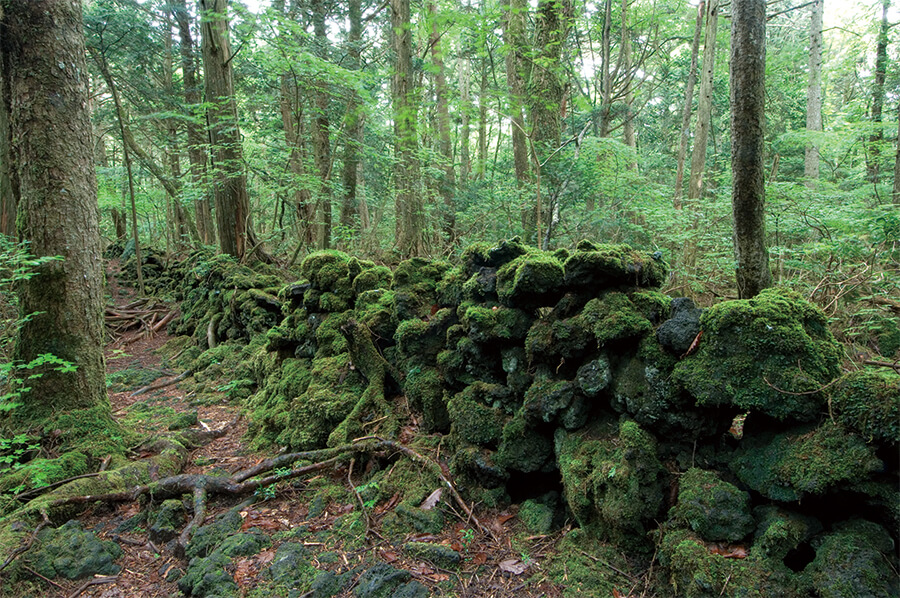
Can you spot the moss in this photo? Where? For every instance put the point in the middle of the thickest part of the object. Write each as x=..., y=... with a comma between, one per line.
x=613, y=317
x=73, y=553
x=375, y=310
x=772, y=354
x=329, y=270
x=474, y=468
x=208, y=537
x=598, y=267
x=38, y=473
x=869, y=402
x=91, y=431
x=485, y=255
x=495, y=324
x=425, y=390
x=269, y=408
x=699, y=571
x=787, y=466
x=329, y=340
x=854, y=561
x=523, y=447
x=472, y=421
x=711, y=507
x=370, y=279
x=530, y=281
x=612, y=479
x=781, y=531
x=424, y=339
x=449, y=290
x=588, y=568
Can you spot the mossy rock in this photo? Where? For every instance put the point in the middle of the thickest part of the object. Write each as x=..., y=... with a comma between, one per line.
x=424, y=339
x=69, y=551
x=556, y=401
x=869, y=402
x=372, y=278
x=530, y=281
x=542, y=515
x=586, y=567
x=551, y=340
x=425, y=390
x=598, y=267
x=613, y=317
x=781, y=532
x=856, y=559
x=381, y=581
x=612, y=478
x=789, y=465
x=442, y=556
x=244, y=544
x=208, y=537
x=698, y=570
x=291, y=567
x=475, y=468
x=208, y=576
x=471, y=420
x=525, y=445
x=713, y=508
x=497, y=324
x=168, y=522
x=375, y=310
x=331, y=270
x=487, y=255
x=771, y=354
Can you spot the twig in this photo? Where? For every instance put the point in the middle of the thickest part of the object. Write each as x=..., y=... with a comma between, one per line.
x=150, y=387
x=92, y=582
x=884, y=364
x=42, y=489
x=36, y=574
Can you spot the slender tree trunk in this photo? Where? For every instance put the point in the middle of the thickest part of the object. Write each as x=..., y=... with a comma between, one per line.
x=321, y=137
x=873, y=156
x=354, y=122
x=704, y=108
x=481, y=161
x=684, y=138
x=465, y=127
x=605, y=69
x=748, y=194
x=896, y=193
x=628, y=135
x=232, y=201
x=410, y=209
x=195, y=137
x=814, y=92
x=42, y=43
x=8, y=187
x=447, y=186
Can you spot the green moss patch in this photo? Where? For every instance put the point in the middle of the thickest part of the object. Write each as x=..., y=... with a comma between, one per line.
x=869, y=402
x=713, y=508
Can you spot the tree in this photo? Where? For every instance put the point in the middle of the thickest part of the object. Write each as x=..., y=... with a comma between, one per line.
x=236, y=236
x=704, y=105
x=684, y=138
x=45, y=78
x=814, y=91
x=748, y=66
x=410, y=209
x=873, y=154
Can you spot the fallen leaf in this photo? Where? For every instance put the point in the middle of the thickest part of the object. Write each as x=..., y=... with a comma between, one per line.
x=504, y=517
x=514, y=566
x=479, y=558
x=433, y=499
x=389, y=556
x=244, y=570
x=265, y=557
x=729, y=552
x=439, y=577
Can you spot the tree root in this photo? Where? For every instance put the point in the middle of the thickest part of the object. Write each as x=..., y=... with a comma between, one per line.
x=157, y=386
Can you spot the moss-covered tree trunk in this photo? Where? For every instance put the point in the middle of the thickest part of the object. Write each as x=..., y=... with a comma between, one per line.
x=43, y=46
x=748, y=195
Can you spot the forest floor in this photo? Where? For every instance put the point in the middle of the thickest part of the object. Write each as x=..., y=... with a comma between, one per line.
x=508, y=564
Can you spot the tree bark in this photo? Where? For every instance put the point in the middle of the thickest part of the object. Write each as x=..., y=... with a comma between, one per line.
x=873, y=156
x=8, y=187
x=814, y=92
x=195, y=138
x=515, y=17
x=321, y=138
x=684, y=138
x=44, y=62
x=447, y=186
x=748, y=66
x=605, y=69
x=232, y=200
x=465, y=127
x=354, y=122
x=896, y=191
x=410, y=224
x=704, y=107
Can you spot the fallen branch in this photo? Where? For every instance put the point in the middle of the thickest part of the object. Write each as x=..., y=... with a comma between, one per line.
x=93, y=582
x=159, y=385
x=27, y=543
x=895, y=365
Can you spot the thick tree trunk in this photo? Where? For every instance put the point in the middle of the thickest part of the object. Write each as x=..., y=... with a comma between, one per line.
x=873, y=155
x=354, y=123
x=684, y=138
x=748, y=69
x=410, y=214
x=321, y=137
x=8, y=188
x=704, y=107
x=232, y=200
x=447, y=186
x=44, y=59
x=195, y=137
x=814, y=92
x=515, y=18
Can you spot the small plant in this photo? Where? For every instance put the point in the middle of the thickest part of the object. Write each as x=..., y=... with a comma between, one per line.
x=266, y=492
x=467, y=536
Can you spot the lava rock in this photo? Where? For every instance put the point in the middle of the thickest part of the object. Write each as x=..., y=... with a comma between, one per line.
x=678, y=332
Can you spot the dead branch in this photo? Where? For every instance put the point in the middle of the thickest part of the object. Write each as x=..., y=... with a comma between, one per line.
x=27, y=543
x=159, y=385
x=93, y=582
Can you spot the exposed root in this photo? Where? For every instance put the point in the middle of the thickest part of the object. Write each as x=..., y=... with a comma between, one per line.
x=158, y=385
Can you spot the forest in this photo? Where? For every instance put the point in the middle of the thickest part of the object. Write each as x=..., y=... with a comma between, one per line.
x=449, y=298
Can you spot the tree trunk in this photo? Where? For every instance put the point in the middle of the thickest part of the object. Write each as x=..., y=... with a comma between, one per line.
x=354, y=122
x=814, y=92
x=445, y=149
x=481, y=161
x=873, y=156
x=605, y=69
x=195, y=138
x=321, y=138
x=748, y=69
x=896, y=193
x=684, y=138
x=232, y=201
x=515, y=17
x=628, y=134
x=410, y=214
x=45, y=68
x=8, y=187
x=704, y=107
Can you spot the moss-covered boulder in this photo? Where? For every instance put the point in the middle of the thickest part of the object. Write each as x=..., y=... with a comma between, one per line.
x=772, y=354
x=859, y=558
x=208, y=576
x=790, y=465
x=486, y=255
x=711, y=507
x=613, y=479
x=869, y=402
x=594, y=267
x=530, y=281
x=71, y=552
x=613, y=317
x=782, y=535
x=476, y=414
x=525, y=444
x=496, y=324
x=291, y=567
